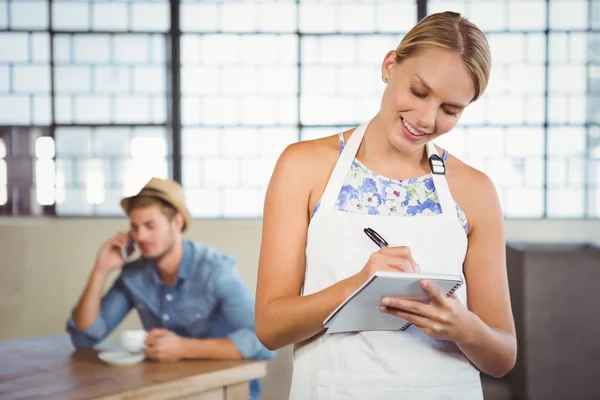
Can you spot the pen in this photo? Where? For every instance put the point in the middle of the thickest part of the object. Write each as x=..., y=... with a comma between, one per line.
x=376, y=237
x=381, y=242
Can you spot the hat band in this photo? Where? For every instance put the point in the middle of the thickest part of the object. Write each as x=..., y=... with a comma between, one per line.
x=153, y=190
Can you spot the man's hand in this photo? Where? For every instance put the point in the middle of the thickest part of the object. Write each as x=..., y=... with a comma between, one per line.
x=110, y=257
x=164, y=345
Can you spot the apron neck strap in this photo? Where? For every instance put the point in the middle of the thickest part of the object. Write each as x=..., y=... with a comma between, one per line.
x=438, y=171
x=338, y=176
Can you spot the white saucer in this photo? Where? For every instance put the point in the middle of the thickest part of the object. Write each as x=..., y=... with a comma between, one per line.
x=121, y=358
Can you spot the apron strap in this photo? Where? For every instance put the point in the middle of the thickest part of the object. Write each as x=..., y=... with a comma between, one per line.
x=344, y=162
x=438, y=170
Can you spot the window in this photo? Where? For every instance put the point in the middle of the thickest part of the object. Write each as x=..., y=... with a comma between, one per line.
x=97, y=166
x=257, y=77
x=3, y=174
x=103, y=106
x=97, y=96
x=532, y=132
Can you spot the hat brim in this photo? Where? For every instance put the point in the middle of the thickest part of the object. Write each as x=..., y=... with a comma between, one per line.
x=187, y=217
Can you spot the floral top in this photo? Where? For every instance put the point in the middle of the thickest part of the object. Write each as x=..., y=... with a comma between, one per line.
x=366, y=192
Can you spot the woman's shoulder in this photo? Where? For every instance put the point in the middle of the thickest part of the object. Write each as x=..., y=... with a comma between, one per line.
x=466, y=177
x=312, y=155
x=303, y=169
x=472, y=189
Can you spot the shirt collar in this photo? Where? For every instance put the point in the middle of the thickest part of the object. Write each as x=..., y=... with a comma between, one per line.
x=185, y=267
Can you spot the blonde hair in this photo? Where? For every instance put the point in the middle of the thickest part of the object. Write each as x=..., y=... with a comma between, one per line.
x=450, y=31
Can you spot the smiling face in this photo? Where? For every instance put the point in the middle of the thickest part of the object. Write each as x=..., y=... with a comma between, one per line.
x=424, y=98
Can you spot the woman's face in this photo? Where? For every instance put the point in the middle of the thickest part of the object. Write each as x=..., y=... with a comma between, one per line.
x=424, y=97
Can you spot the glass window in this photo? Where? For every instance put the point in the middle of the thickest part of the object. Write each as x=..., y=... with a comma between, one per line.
x=96, y=167
x=3, y=174
x=239, y=105
x=29, y=14
x=106, y=15
x=110, y=79
x=25, y=78
x=248, y=93
x=518, y=100
x=257, y=76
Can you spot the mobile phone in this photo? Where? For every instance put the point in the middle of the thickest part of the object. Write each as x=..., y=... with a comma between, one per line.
x=126, y=252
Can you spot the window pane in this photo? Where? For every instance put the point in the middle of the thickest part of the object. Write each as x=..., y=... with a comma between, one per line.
x=3, y=15
x=24, y=79
x=110, y=16
x=231, y=162
x=150, y=16
x=105, y=79
x=98, y=166
x=239, y=106
x=45, y=181
x=594, y=187
x=341, y=78
x=69, y=15
x=254, y=86
x=31, y=14
x=572, y=14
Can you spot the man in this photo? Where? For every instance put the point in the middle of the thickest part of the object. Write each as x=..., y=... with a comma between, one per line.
x=190, y=297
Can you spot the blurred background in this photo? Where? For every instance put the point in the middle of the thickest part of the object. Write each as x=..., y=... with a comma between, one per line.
x=98, y=96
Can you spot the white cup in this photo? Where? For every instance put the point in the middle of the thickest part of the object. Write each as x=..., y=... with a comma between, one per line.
x=133, y=340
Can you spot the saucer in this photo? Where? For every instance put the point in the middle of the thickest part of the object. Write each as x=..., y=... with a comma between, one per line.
x=121, y=358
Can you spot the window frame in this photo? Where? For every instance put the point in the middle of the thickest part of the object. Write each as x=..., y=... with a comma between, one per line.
x=173, y=124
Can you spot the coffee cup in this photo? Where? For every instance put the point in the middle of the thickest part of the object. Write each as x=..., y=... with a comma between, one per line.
x=133, y=340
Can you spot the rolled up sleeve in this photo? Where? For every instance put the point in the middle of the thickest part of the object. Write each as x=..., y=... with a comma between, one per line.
x=238, y=307
x=114, y=307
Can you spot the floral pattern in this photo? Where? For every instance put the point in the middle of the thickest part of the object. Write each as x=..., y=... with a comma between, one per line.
x=366, y=192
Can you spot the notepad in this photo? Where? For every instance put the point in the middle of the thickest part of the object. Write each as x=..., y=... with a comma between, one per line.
x=360, y=311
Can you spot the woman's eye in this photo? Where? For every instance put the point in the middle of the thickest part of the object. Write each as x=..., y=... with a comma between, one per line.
x=418, y=94
x=450, y=112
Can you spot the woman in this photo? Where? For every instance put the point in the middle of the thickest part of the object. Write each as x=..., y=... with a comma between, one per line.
x=314, y=253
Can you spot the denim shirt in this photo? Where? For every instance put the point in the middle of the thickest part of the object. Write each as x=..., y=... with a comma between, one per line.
x=207, y=300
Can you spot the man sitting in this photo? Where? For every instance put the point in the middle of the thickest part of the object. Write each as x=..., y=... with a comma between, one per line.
x=190, y=297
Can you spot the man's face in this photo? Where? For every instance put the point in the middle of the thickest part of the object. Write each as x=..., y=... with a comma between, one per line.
x=154, y=234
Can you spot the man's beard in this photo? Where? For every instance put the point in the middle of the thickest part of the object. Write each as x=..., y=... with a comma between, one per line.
x=165, y=252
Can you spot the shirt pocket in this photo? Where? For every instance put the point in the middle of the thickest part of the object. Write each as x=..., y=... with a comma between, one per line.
x=196, y=316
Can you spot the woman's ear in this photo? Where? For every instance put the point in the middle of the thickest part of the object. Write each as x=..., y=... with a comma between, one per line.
x=388, y=64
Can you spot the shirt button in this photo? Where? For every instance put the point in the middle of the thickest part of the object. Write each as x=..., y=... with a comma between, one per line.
x=169, y=297
x=166, y=317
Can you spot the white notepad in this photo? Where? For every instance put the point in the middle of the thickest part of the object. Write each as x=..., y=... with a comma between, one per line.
x=360, y=311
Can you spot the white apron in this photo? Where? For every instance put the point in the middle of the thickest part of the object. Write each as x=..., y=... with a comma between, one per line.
x=381, y=365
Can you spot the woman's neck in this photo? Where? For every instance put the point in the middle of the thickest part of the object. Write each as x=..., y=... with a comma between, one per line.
x=377, y=150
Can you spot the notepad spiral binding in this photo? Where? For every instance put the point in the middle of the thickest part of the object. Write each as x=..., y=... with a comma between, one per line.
x=450, y=293
x=454, y=289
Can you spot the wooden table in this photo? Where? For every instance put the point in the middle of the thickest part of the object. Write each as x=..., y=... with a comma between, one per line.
x=48, y=367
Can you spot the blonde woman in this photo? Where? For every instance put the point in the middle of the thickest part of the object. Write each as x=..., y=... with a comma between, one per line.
x=314, y=253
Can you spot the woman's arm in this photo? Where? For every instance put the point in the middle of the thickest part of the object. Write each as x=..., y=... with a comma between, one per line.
x=283, y=316
x=492, y=344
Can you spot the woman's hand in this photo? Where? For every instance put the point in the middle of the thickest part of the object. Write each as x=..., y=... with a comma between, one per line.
x=396, y=259
x=443, y=317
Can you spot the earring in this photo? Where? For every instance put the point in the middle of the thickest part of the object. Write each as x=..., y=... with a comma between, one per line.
x=384, y=80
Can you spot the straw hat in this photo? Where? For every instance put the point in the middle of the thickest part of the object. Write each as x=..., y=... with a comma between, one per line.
x=167, y=190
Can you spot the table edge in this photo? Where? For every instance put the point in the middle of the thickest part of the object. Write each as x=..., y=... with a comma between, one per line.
x=195, y=383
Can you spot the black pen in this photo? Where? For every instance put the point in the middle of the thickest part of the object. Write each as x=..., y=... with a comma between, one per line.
x=376, y=237
x=381, y=242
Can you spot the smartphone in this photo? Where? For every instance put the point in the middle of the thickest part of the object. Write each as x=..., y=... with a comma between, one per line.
x=126, y=252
